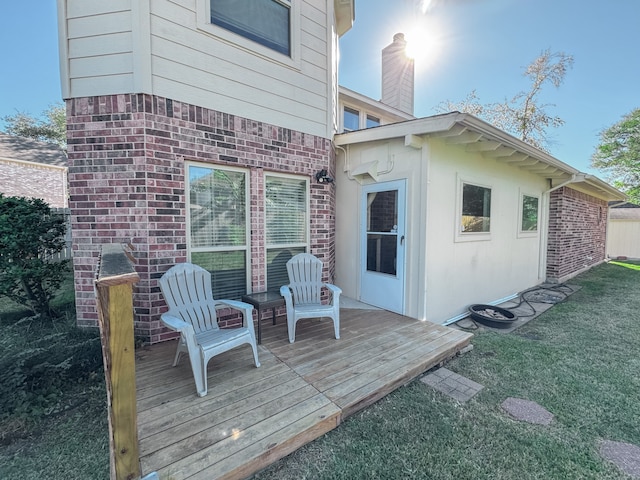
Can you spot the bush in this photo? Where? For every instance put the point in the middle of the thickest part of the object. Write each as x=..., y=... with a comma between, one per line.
x=29, y=232
x=39, y=360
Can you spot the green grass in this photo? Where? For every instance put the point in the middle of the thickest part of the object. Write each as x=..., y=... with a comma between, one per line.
x=579, y=360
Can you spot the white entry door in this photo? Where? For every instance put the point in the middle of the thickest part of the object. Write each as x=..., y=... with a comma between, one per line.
x=383, y=245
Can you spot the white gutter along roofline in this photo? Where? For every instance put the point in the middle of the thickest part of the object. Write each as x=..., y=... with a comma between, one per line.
x=441, y=124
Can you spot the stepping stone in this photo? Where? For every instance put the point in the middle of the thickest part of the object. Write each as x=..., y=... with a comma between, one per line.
x=527, y=411
x=451, y=384
x=625, y=456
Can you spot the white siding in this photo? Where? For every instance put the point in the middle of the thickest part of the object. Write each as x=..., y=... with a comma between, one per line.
x=164, y=48
x=97, y=47
x=463, y=273
x=443, y=276
x=623, y=238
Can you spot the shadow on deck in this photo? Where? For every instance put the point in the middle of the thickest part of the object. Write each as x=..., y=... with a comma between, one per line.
x=252, y=416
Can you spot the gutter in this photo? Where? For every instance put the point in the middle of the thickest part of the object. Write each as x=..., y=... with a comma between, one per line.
x=575, y=178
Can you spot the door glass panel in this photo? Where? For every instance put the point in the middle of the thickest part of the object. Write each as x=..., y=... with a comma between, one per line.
x=382, y=229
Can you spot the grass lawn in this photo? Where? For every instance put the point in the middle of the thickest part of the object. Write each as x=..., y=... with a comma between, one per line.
x=579, y=360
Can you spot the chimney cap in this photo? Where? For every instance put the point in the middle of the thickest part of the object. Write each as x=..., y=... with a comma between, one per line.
x=399, y=37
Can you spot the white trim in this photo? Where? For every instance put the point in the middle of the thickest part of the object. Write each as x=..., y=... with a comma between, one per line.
x=307, y=232
x=247, y=206
x=45, y=166
x=203, y=22
x=459, y=235
x=63, y=47
x=141, y=45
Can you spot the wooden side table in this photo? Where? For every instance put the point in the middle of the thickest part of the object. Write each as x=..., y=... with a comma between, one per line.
x=262, y=300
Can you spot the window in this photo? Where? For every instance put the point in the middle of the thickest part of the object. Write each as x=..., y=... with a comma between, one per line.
x=287, y=220
x=217, y=216
x=529, y=214
x=267, y=22
x=351, y=120
x=476, y=209
x=372, y=121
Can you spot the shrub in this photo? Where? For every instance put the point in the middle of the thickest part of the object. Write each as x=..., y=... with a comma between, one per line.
x=39, y=360
x=29, y=232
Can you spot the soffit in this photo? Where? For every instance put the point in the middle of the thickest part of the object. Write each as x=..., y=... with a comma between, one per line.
x=345, y=15
x=479, y=137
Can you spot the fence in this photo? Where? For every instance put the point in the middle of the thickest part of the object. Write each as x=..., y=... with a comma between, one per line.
x=64, y=254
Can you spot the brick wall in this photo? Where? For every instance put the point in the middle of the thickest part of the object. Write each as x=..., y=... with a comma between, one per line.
x=22, y=179
x=127, y=158
x=577, y=233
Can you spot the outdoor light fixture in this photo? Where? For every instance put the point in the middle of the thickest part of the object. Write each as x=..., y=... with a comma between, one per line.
x=323, y=177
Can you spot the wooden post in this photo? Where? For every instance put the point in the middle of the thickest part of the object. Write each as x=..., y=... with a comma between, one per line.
x=114, y=290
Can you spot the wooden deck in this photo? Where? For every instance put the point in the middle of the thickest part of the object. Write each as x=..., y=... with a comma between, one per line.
x=252, y=416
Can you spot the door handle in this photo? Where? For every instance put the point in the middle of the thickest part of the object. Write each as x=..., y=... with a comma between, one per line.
x=402, y=240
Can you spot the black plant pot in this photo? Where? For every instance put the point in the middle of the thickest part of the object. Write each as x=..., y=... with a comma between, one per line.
x=482, y=313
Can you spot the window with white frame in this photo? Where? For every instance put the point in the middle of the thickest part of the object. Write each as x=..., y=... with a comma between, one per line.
x=350, y=119
x=475, y=209
x=372, y=121
x=218, y=237
x=267, y=22
x=529, y=213
x=287, y=224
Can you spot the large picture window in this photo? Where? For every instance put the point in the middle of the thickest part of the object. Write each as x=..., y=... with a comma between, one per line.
x=217, y=216
x=287, y=224
x=476, y=209
x=267, y=22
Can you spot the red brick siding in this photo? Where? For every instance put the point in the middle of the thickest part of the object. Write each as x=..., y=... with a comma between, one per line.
x=577, y=233
x=21, y=179
x=127, y=158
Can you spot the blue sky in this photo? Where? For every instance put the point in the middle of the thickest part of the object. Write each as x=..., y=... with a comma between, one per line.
x=486, y=44
x=477, y=44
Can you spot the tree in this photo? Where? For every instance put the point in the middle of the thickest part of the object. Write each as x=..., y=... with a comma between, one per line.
x=29, y=231
x=618, y=154
x=50, y=127
x=523, y=115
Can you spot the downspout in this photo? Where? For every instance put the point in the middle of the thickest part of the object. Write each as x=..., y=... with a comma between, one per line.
x=347, y=168
x=544, y=239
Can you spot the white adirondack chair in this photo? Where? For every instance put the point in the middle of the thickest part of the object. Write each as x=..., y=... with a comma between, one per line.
x=192, y=312
x=302, y=295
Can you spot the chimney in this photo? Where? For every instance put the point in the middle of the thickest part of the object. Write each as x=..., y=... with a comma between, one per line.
x=397, y=75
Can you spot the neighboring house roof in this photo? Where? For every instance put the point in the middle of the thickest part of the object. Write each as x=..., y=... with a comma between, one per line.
x=479, y=136
x=28, y=150
x=625, y=213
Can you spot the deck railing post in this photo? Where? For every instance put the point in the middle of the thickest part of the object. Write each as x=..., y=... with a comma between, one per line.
x=114, y=289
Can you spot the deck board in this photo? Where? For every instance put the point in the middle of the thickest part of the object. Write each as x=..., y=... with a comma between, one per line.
x=252, y=416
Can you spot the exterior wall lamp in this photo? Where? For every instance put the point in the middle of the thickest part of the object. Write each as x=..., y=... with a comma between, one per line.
x=323, y=177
